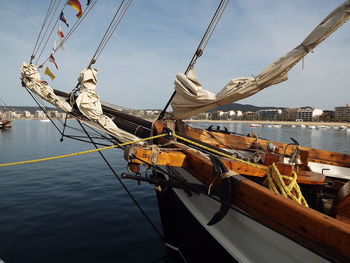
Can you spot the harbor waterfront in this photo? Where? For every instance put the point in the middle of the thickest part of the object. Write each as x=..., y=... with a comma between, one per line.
x=307, y=123
x=73, y=210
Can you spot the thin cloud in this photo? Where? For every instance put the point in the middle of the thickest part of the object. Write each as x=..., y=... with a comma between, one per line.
x=157, y=39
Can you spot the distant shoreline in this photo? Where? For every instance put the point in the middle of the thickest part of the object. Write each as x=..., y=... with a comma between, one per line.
x=306, y=123
x=297, y=123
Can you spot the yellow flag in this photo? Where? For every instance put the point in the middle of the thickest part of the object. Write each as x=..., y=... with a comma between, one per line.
x=49, y=73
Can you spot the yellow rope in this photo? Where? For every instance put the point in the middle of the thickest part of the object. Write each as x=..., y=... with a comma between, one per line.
x=275, y=178
x=84, y=152
x=278, y=185
x=221, y=153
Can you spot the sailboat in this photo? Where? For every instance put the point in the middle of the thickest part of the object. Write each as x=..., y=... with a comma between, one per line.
x=4, y=123
x=223, y=197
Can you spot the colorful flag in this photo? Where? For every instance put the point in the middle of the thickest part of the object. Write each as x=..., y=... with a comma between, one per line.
x=75, y=4
x=61, y=35
x=52, y=59
x=63, y=19
x=49, y=73
x=88, y=2
x=53, y=48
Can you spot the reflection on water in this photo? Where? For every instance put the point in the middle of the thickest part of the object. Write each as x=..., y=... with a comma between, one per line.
x=72, y=210
x=69, y=210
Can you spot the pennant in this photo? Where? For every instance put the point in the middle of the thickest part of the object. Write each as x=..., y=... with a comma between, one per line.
x=49, y=73
x=75, y=4
x=52, y=59
x=88, y=2
x=61, y=35
x=63, y=19
x=53, y=48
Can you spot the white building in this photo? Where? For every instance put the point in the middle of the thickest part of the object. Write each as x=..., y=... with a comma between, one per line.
x=61, y=115
x=26, y=114
x=309, y=114
x=39, y=114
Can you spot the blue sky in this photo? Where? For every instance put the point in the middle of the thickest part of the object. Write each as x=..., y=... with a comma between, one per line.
x=157, y=38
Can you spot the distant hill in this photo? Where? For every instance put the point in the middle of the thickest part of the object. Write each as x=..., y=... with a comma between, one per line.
x=242, y=107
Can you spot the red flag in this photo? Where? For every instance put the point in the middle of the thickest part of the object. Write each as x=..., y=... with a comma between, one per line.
x=52, y=59
x=60, y=33
x=75, y=4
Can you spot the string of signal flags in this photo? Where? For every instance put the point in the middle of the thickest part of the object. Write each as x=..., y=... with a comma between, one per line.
x=76, y=5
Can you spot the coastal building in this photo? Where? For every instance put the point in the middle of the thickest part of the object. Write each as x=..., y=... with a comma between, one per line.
x=269, y=114
x=61, y=115
x=249, y=115
x=342, y=113
x=53, y=114
x=201, y=116
x=39, y=114
x=290, y=114
x=309, y=114
x=11, y=115
x=26, y=114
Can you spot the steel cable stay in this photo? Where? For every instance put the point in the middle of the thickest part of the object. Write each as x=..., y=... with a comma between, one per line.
x=137, y=204
x=200, y=49
x=70, y=32
x=123, y=7
x=96, y=134
x=39, y=37
x=49, y=35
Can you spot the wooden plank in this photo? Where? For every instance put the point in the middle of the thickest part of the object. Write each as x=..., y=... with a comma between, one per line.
x=329, y=236
x=317, y=231
x=171, y=158
x=185, y=158
x=245, y=143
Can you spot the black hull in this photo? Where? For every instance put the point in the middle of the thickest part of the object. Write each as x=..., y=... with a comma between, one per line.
x=181, y=229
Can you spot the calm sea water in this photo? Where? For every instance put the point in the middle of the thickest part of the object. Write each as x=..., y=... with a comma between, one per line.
x=74, y=210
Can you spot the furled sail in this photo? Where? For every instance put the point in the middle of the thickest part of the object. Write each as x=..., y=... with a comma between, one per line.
x=30, y=77
x=88, y=101
x=191, y=98
x=89, y=105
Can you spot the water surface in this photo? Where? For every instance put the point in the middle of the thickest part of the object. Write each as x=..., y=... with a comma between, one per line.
x=74, y=210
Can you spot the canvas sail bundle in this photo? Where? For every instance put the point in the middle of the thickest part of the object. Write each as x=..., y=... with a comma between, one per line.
x=191, y=98
x=88, y=101
x=30, y=77
x=89, y=105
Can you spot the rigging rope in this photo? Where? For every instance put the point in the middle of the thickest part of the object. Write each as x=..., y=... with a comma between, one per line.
x=275, y=178
x=123, y=7
x=84, y=152
x=70, y=32
x=126, y=188
x=48, y=37
x=48, y=13
x=199, y=51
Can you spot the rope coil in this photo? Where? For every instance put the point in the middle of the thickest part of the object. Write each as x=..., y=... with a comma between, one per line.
x=274, y=177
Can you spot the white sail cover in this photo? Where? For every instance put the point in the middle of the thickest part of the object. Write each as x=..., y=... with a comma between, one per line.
x=30, y=77
x=88, y=101
x=191, y=98
x=89, y=105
